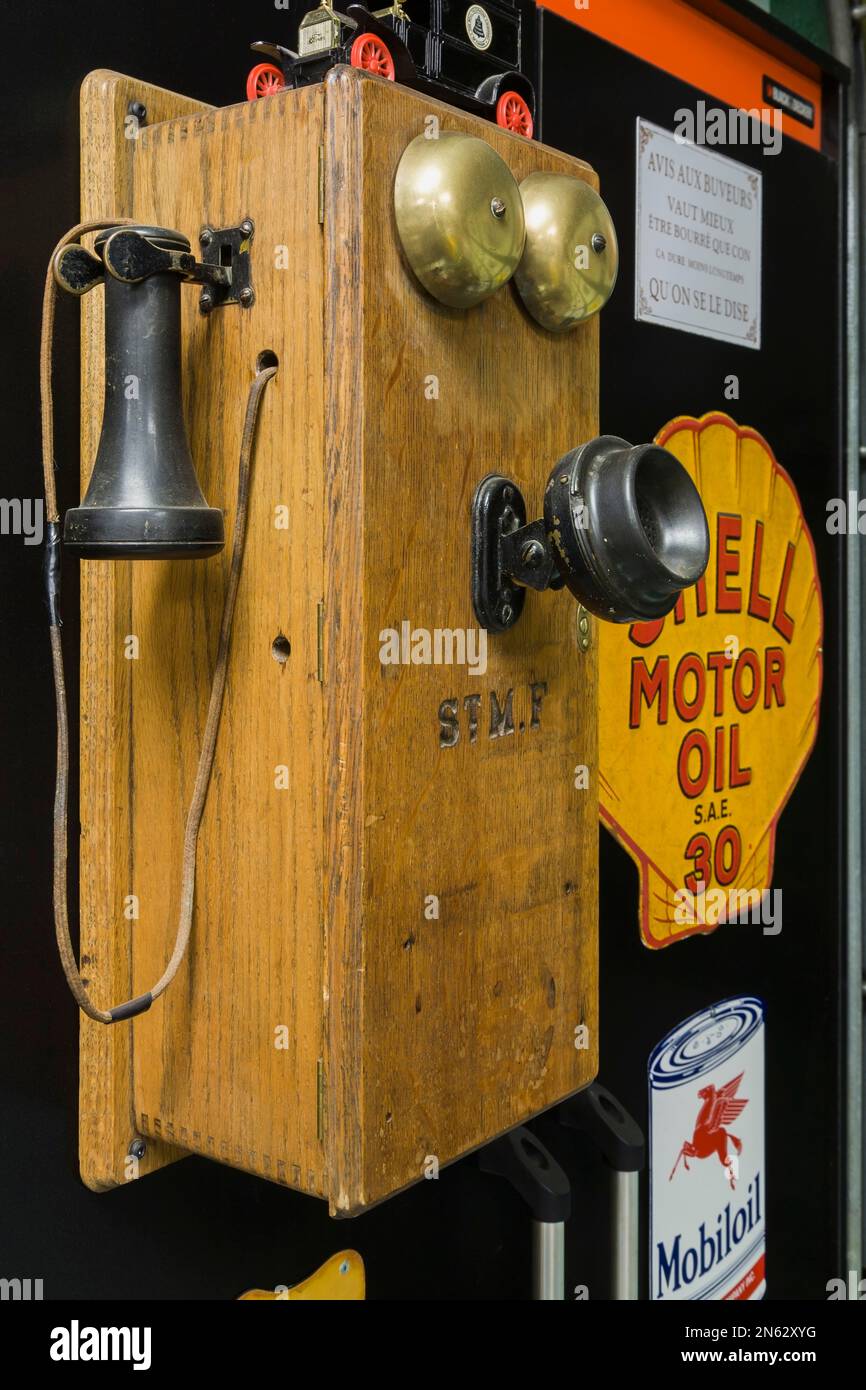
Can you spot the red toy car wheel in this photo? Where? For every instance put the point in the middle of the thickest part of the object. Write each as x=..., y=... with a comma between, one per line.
x=373, y=54
x=513, y=113
x=264, y=79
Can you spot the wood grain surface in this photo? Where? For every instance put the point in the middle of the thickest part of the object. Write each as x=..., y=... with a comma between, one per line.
x=226, y=1063
x=327, y=1031
x=443, y=1033
x=106, y=1119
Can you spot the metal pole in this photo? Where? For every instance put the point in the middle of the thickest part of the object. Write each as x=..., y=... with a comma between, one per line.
x=625, y=1236
x=847, y=48
x=597, y=1113
x=548, y=1261
x=533, y=1172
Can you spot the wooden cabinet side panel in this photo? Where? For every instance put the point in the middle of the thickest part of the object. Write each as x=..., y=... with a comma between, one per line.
x=106, y=1118
x=227, y=1062
x=466, y=926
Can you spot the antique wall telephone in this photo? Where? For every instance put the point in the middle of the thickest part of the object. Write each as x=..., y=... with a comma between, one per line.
x=377, y=979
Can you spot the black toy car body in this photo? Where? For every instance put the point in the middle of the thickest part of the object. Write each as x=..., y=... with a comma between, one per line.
x=466, y=54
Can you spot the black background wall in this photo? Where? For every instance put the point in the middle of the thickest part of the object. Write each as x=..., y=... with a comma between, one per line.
x=790, y=392
x=198, y=1230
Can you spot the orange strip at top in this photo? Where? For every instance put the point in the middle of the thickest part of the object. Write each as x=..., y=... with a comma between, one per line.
x=697, y=49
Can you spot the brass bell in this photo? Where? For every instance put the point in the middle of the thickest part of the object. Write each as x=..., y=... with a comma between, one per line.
x=143, y=500
x=459, y=217
x=571, y=258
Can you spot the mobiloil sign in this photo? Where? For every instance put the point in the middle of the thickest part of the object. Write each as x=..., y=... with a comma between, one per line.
x=707, y=1177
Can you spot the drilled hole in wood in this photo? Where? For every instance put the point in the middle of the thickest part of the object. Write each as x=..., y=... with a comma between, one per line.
x=281, y=649
x=267, y=358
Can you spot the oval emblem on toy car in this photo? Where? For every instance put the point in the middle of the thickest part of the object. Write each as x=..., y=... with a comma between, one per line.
x=479, y=27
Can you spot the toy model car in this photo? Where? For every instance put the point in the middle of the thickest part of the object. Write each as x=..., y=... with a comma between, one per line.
x=466, y=54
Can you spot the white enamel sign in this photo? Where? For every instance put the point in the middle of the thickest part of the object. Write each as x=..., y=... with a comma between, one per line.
x=698, y=239
x=708, y=1190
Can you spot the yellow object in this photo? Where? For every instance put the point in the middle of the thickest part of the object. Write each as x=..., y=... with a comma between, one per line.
x=340, y=1279
x=459, y=216
x=707, y=717
x=570, y=260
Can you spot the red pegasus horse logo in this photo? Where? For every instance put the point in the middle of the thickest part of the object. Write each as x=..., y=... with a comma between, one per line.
x=720, y=1107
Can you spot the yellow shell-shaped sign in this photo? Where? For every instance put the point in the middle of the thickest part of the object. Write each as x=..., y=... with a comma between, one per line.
x=708, y=716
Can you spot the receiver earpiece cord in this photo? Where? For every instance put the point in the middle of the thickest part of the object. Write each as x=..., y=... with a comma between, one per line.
x=142, y=1002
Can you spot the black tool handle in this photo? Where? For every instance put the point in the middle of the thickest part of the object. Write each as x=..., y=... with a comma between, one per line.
x=533, y=1172
x=597, y=1113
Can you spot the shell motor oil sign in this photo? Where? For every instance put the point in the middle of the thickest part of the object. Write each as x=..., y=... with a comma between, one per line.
x=708, y=1194
x=708, y=716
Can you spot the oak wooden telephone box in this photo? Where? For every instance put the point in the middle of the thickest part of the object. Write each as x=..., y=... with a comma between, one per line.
x=394, y=952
